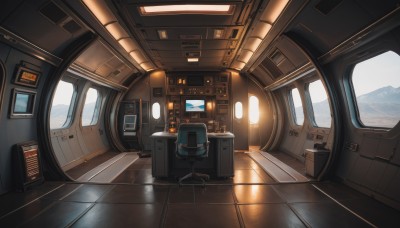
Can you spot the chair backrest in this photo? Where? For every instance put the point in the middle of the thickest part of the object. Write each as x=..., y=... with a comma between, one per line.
x=192, y=140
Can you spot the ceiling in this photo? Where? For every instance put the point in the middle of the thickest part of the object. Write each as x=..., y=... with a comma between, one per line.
x=188, y=35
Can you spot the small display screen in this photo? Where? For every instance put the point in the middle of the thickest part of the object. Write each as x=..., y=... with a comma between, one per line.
x=23, y=103
x=195, y=105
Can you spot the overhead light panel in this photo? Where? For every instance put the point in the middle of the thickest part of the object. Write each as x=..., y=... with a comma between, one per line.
x=218, y=33
x=186, y=9
x=147, y=66
x=137, y=56
x=192, y=60
x=101, y=11
x=273, y=10
x=128, y=44
x=261, y=30
x=245, y=56
x=116, y=30
x=162, y=34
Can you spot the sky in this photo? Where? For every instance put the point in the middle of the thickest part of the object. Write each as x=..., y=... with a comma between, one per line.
x=64, y=93
x=380, y=71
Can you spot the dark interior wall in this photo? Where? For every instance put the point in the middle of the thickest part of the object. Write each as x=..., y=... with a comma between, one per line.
x=21, y=129
x=240, y=127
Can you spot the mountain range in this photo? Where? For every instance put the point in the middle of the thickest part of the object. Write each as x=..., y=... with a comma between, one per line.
x=380, y=107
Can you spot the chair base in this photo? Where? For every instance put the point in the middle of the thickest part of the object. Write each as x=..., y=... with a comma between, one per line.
x=196, y=176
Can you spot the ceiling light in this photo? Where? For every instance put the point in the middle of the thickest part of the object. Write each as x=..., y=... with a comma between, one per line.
x=162, y=34
x=218, y=33
x=186, y=9
x=238, y=65
x=192, y=60
x=147, y=66
x=137, y=56
x=245, y=56
x=127, y=44
x=101, y=11
x=252, y=44
x=116, y=30
x=273, y=10
x=261, y=30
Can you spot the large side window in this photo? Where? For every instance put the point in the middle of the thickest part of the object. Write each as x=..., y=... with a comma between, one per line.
x=91, y=108
x=61, y=108
x=320, y=104
x=297, y=106
x=376, y=85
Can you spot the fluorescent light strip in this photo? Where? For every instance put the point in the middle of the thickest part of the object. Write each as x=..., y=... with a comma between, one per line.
x=192, y=60
x=186, y=9
x=162, y=34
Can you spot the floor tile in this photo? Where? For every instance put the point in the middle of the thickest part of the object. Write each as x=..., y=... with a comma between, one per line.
x=299, y=193
x=257, y=194
x=121, y=215
x=24, y=214
x=201, y=215
x=247, y=176
x=14, y=200
x=136, y=194
x=269, y=215
x=327, y=214
x=213, y=194
x=183, y=194
x=64, y=190
x=60, y=215
x=88, y=193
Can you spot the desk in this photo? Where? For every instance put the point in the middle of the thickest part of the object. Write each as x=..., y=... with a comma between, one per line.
x=219, y=162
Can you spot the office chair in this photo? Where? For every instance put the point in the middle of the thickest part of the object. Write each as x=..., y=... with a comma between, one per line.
x=192, y=145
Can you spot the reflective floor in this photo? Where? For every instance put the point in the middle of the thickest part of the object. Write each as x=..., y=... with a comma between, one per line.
x=236, y=205
x=250, y=199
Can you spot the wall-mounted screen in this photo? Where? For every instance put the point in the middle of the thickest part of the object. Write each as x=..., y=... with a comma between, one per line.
x=195, y=105
x=22, y=104
x=129, y=122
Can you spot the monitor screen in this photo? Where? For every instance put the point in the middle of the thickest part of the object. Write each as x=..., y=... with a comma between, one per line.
x=23, y=103
x=197, y=105
x=130, y=122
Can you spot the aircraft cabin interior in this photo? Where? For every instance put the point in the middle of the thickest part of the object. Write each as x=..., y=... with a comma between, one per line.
x=236, y=113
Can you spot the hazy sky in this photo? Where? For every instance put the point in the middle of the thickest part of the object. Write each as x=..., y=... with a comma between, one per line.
x=64, y=94
x=380, y=71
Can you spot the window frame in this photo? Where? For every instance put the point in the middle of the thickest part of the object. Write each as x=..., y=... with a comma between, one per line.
x=292, y=108
x=237, y=112
x=97, y=107
x=350, y=92
x=310, y=107
x=72, y=106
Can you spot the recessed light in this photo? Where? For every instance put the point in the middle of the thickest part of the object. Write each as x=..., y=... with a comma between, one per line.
x=186, y=9
x=192, y=60
x=218, y=33
x=162, y=34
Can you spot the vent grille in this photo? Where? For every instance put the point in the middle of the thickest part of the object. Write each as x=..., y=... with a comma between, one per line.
x=53, y=13
x=272, y=68
x=234, y=33
x=192, y=54
x=190, y=37
x=277, y=57
x=190, y=45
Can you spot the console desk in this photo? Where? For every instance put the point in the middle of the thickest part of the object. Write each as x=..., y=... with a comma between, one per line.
x=219, y=162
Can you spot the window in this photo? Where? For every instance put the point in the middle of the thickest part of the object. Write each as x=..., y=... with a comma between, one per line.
x=376, y=85
x=156, y=110
x=90, y=113
x=320, y=104
x=297, y=106
x=238, y=110
x=254, y=112
x=60, y=113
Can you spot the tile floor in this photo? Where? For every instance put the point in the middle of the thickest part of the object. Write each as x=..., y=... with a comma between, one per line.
x=250, y=199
